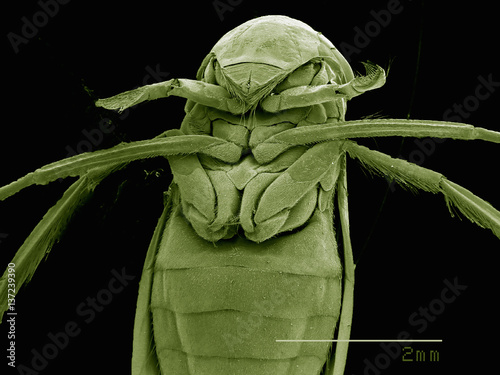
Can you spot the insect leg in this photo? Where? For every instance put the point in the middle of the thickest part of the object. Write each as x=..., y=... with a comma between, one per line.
x=228, y=203
x=144, y=357
x=348, y=294
x=124, y=153
x=289, y=200
x=208, y=94
x=278, y=143
x=196, y=190
x=412, y=176
x=49, y=230
x=303, y=96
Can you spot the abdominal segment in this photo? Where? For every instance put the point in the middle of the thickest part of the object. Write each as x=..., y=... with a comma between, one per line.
x=219, y=309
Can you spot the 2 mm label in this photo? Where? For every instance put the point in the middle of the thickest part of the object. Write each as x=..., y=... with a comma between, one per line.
x=412, y=355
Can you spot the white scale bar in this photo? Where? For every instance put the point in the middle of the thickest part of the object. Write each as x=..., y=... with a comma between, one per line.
x=408, y=340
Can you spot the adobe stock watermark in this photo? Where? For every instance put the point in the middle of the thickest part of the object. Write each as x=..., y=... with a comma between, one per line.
x=363, y=36
x=92, y=138
x=458, y=112
x=48, y=9
x=223, y=6
x=3, y=236
x=420, y=321
x=86, y=312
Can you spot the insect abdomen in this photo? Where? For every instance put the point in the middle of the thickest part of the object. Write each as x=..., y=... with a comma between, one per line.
x=220, y=309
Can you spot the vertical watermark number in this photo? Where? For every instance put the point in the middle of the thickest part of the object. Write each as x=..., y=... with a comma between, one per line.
x=11, y=313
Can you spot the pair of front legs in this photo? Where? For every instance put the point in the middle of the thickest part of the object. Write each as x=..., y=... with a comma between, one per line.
x=215, y=96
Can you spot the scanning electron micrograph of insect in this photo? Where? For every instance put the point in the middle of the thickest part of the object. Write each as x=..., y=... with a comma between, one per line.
x=250, y=267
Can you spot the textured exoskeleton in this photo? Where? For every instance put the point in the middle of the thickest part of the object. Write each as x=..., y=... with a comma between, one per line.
x=253, y=87
x=245, y=252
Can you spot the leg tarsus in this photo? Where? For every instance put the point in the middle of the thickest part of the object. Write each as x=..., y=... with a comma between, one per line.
x=303, y=96
x=133, y=97
x=208, y=94
x=471, y=206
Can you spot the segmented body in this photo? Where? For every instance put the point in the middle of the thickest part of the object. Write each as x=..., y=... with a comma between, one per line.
x=220, y=309
x=244, y=253
x=229, y=277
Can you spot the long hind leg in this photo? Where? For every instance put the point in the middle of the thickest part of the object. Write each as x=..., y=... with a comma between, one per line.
x=412, y=176
x=338, y=365
x=144, y=357
x=49, y=230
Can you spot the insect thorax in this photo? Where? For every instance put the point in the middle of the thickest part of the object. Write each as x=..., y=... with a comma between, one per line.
x=219, y=199
x=268, y=68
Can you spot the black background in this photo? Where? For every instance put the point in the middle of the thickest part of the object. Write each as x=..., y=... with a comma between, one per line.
x=92, y=49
